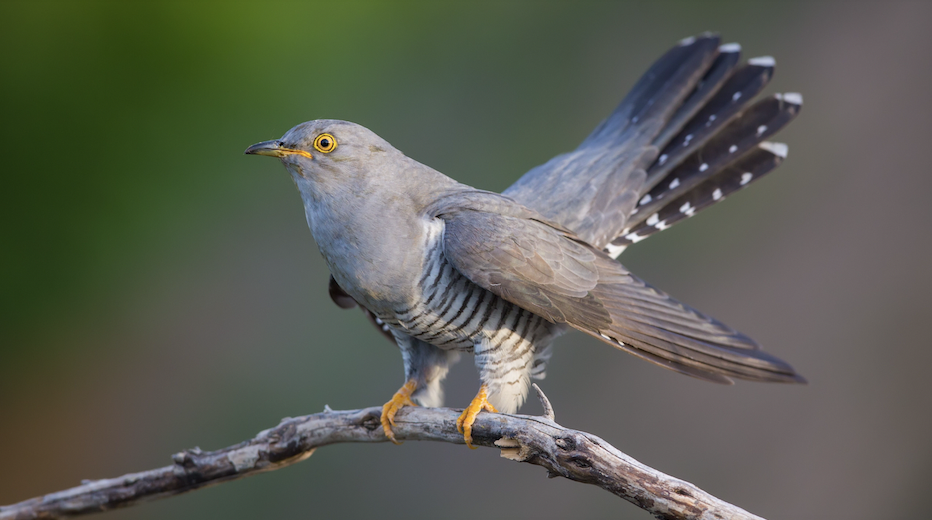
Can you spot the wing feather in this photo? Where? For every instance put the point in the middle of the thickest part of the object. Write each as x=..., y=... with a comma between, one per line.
x=547, y=270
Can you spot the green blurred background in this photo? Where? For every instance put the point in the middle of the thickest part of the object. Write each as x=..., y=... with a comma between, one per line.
x=159, y=290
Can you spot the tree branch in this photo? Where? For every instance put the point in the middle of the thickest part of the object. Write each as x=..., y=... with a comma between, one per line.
x=563, y=452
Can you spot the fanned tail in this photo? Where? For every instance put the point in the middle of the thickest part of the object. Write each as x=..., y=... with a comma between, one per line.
x=722, y=149
x=593, y=189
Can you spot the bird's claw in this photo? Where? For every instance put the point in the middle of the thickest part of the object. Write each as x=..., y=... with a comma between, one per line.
x=468, y=417
x=398, y=401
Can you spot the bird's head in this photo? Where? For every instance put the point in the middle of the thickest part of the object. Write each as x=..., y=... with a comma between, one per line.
x=324, y=151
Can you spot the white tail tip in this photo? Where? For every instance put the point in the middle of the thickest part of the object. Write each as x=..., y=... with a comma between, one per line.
x=778, y=149
x=763, y=61
x=793, y=97
x=687, y=41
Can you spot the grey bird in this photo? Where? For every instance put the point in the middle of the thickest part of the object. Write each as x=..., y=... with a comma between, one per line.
x=443, y=268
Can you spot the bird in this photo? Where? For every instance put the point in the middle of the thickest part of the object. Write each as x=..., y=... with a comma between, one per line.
x=444, y=269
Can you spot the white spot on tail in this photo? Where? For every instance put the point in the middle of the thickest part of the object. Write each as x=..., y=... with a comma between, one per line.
x=662, y=225
x=606, y=337
x=793, y=97
x=634, y=237
x=687, y=41
x=688, y=138
x=704, y=167
x=746, y=178
x=736, y=96
x=645, y=200
x=733, y=148
x=634, y=119
x=613, y=251
x=717, y=194
x=663, y=158
x=730, y=47
x=674, y=183
x=761, y=129
x=778, y=149
x=653, y=220
x=687, y=209
x=763, y=61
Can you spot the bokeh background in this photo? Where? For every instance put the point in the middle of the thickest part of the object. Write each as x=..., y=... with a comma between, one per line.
x=159, y=290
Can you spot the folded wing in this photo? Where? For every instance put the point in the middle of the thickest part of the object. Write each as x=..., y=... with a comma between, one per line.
x=546, y=269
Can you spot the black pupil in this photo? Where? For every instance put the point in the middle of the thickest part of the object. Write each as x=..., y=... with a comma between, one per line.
x=325, y=143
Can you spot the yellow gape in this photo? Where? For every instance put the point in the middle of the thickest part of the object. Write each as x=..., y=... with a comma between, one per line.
x=325, y=143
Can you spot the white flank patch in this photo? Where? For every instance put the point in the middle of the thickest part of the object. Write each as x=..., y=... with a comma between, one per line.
x=613, y=250
x=793, y=97
x=634, y=238
x=763, y=61
x=645, y=199
x=717, y=194
x=733, y=148
x=663, y=158
x=730, y=47
x=746, y=178
x=761, y=129
x=736, y=96
x=674, y=183
x=778, y=149
x=704, y=167
x=654, y=219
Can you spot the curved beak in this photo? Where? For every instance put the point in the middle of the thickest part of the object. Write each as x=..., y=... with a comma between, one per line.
x=274, y=148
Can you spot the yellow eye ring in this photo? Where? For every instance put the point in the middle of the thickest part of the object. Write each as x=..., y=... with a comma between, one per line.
x=325, y=143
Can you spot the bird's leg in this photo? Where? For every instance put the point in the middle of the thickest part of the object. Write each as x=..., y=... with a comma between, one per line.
x=401, y=399
x=478, y=404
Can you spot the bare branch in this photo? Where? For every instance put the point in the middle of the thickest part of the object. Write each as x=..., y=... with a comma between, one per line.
x=563, y=452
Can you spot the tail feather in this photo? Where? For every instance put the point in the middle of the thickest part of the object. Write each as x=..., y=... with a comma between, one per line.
x=718, y=74
x=732, y=158
x=727, y=104
x=749, y=168
x=659, y=92
x=729, y=144
x=593, y=189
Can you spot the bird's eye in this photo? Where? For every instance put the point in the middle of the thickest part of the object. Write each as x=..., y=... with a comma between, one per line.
x=325, y=143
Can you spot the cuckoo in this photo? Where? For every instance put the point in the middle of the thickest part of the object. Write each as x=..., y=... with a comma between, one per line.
x=443, y=268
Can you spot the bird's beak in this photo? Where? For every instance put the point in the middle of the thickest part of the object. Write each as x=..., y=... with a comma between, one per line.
x=274, y=149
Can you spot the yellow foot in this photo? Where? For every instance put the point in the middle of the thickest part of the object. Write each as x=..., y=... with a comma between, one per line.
x=401, y=399
x=478, y=404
